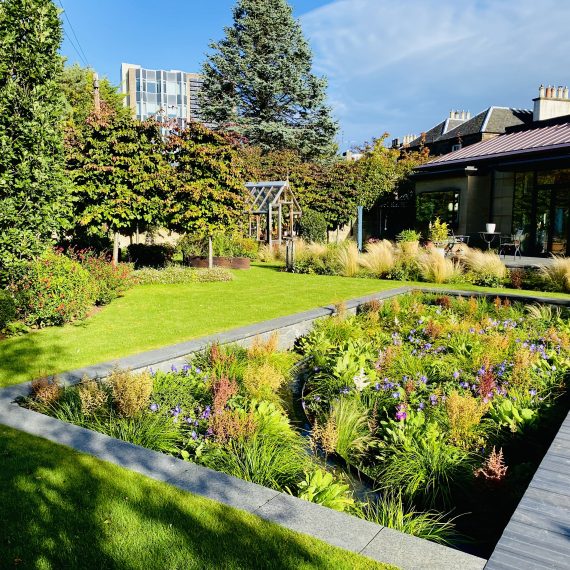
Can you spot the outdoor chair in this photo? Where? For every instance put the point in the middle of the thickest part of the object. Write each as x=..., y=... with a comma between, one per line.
x=512, y=242
x=454, y=243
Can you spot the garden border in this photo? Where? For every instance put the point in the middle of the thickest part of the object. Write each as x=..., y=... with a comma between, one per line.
x=339, y=529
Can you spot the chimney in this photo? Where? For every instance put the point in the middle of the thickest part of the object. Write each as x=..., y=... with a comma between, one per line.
x=551, y=102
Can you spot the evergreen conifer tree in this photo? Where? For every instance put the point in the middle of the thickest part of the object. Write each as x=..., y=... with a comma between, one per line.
x=33, y=190
x=258, y=81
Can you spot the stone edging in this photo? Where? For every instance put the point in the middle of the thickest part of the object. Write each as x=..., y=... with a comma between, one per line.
x=339, y=529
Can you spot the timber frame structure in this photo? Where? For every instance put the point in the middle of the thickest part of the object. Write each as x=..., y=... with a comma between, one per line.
x=272, y=204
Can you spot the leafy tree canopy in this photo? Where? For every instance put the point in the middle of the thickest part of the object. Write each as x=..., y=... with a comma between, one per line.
x=258, y=82
x=34, y=198
x=77, y=86
x=208, y=195
x=119, y=170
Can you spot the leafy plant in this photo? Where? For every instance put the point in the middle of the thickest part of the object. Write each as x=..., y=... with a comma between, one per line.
x=438, y=231
x=53, y=290
x=7, y=308
x=320, y=487
x=408, y=236
x=508, y=413
x=130, y=390
x=313, y=226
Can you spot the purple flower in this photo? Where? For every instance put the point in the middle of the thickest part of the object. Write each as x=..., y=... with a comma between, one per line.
x=421, y=406
x=396, y=395
x=176, y=410
x=198, y=370
x=423, y=379
x=194, y=435
x=186, y=368
x=433, y=399
x=401, y=412
x=206, y=413
x=317, y=398
x=316, y=368
x=456, y=374
x=173, y=368
x=154, y=407
x=532, y=392
x=464, y=384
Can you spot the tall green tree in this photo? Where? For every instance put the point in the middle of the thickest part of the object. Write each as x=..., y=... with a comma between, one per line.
x=208, y=196
x=258, y=81
x=34, y=195
x=120, y=170
x=77, y=86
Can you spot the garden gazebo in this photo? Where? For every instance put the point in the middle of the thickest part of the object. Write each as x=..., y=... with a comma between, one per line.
x=273, y=211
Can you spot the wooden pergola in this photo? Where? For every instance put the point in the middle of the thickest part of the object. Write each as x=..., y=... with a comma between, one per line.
x=273, y=211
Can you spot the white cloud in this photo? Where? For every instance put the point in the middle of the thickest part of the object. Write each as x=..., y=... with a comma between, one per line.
x=401, y=65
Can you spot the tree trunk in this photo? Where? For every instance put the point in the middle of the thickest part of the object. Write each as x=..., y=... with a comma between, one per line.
x=210, y=253
x=116, y=248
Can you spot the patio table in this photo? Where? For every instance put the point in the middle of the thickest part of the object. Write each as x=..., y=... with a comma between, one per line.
x=489, y=237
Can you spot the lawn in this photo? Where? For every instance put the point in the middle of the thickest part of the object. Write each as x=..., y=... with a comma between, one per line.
x=152, y=316
x=63, y=509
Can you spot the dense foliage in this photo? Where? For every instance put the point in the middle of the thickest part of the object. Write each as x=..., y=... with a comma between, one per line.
x=33, y=189
x=119, y=172
x=444, y=401
x=258, y=82
x=52, y=290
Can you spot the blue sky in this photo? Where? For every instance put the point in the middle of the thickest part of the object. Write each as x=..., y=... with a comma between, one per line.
x=396, y=66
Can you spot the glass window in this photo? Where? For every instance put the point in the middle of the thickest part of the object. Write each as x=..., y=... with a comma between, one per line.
x=151, y=86
x=151, y=75
x=442, y=204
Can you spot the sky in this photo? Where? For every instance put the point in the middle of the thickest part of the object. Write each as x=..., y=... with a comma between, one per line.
x=395, y=66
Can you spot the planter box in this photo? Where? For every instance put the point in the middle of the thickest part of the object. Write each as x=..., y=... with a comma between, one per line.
x=227, y=262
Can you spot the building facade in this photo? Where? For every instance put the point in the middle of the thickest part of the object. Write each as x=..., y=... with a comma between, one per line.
x=165, y=95
x=519, y=181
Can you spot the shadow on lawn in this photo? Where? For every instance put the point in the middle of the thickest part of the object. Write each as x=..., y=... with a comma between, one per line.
x=60, y=509
x=23, y=358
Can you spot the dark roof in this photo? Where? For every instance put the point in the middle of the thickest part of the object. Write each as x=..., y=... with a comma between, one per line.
x=436, y=132
x=494, y=120
x=522, y=142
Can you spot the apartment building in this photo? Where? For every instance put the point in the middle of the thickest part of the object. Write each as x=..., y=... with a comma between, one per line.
x=160, y=93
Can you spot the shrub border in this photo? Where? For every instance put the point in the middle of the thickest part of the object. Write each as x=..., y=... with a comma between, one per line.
x=339, y=529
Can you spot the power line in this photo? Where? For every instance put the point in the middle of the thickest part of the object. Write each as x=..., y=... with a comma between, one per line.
x=81, y=55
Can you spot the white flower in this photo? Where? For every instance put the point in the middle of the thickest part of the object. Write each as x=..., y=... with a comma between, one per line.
x=361, y=380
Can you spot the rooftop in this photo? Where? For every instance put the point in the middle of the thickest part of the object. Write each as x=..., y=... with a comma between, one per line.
x=522, y=142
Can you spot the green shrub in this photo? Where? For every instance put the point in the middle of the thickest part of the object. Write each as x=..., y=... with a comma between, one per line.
x=143, y=255
x=7, y=308
x=178, y=274
x=53, y=290
x=110, y=280
x=223, y=246
x=313, y=226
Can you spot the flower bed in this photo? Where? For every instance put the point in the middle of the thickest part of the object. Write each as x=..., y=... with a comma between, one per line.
x=415, y=393
x=448, y=403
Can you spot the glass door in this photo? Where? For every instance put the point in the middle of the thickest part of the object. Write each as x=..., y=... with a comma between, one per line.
x=559, y=221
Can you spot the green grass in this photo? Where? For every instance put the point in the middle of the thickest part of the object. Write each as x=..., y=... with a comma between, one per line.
x=62, y=509
x=151, y=316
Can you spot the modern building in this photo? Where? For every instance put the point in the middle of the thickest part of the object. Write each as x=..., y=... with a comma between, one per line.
x=519, y=180
x=162, y=94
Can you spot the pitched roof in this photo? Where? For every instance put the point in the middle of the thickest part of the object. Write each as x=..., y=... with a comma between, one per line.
x=493, y=120
x=521, y=142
